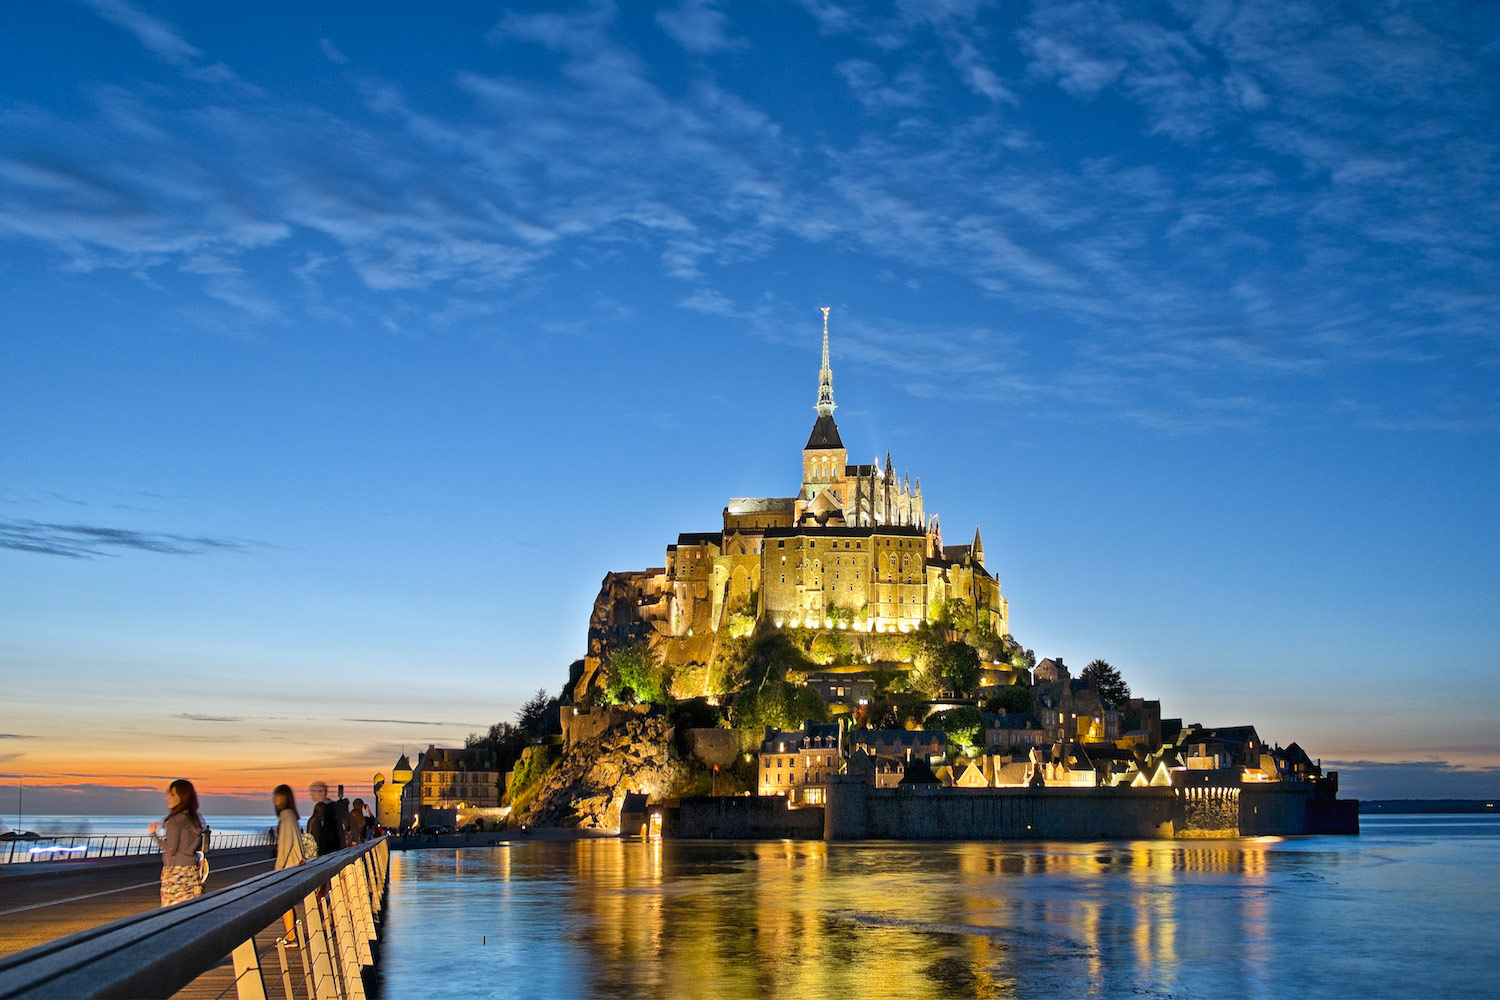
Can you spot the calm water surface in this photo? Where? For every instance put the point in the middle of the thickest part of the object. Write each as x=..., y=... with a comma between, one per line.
x=1410, y=908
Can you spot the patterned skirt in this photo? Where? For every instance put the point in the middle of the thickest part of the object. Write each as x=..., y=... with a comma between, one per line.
x=179, y=883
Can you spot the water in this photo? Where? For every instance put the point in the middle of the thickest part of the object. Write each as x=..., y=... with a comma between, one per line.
x=1407, y=909
x=133, y=826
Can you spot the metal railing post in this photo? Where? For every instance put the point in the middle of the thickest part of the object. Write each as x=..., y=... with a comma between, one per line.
x=323, y=985
x=360, y=893
x=354, y=986
x=286, y=971
x=248, y=982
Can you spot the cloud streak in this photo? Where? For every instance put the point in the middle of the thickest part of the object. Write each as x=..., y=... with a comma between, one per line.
x=1272, y=193
x=85, y=541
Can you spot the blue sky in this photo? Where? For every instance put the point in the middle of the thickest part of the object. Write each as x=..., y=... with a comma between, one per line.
x=347, y=347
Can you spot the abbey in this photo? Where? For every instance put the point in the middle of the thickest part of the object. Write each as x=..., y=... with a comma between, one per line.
x=854, y=548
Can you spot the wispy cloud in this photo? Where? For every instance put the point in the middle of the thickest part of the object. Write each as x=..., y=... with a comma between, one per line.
x=410, y=722
x=700, y=26
x=153, y=34
x=82, y=541
x=1270, y=192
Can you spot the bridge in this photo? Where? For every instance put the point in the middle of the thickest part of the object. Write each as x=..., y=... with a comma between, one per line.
x=229, y=942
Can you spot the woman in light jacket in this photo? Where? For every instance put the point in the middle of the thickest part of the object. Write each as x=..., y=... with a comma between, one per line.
x=180, y=838
x=288, y=828
x=288, y=840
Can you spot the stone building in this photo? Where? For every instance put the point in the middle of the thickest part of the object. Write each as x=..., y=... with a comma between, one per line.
x=798, y=762
x=855, y=548
x=388, y=794
x=450, y=778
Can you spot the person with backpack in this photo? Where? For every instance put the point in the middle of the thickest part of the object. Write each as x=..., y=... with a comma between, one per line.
x=323, y=823
x=180, y=840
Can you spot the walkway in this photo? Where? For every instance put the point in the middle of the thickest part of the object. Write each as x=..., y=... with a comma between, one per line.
x=40, y=903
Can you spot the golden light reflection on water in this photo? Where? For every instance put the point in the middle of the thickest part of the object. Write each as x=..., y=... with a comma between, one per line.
x=674, y=918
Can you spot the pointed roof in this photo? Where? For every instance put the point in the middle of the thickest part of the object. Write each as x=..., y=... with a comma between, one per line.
x=825, y=405
x=825, y=434
x=825, y=502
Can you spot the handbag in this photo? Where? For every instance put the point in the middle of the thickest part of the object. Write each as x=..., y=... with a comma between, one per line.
x=309, y=846
x=203, y=855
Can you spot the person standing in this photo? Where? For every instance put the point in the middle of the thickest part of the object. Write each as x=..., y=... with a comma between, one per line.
x=357, y=830
x=180, y=837
x=288, y=841
x=288, y=828
x=322, y=824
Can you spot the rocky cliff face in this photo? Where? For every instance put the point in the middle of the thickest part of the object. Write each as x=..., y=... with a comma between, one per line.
x=588, y=785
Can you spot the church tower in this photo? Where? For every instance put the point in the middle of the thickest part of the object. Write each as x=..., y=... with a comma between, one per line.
x=824, y=458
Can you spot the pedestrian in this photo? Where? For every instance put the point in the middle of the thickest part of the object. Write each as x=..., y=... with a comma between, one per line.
x=357, y=830
x=322, y=824
x=341, y=816
x=180, y=838
x=288, y=828
x=288, y=841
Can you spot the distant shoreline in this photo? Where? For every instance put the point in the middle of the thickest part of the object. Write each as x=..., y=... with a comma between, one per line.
x=1411, y=806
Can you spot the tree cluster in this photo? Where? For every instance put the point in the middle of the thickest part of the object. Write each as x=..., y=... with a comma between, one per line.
x=1106, y=680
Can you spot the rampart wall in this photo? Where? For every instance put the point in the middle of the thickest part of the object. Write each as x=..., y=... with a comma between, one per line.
x=746, y=817
x=856, y=811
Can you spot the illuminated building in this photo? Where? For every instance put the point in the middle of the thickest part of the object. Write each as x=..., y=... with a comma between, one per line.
x=388, y=794
x=855, y=548
x=450, y=778
x=797, y=763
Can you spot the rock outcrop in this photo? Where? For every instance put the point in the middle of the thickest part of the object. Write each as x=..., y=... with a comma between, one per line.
x=588, y=784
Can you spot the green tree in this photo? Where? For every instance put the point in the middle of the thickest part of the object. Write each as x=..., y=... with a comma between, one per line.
x=532, y=715
x=956, y=613
x=1020, y=658
x=1106, y=680
x=505, y=740
x=1014, y=700
x=778, y=704
x=964, y=726
x=636, y=674
x=959, y=662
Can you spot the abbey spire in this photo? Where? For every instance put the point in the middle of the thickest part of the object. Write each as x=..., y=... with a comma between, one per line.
x=825, y=405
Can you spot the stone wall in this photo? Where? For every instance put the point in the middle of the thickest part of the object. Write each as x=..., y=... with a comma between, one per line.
x=1208, y=812
x=584, y=726
x=857, y=811
x=721, y=746
x=746, y=817
x=1279, y=809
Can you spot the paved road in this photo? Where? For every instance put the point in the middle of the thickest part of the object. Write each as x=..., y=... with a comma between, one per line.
x=38, y=906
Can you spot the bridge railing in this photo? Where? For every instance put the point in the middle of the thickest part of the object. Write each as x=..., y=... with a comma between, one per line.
x=335, y=900
x=14, y=852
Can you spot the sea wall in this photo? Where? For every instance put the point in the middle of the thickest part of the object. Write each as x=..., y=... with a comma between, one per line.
x=856, y=811
x=746, y=817
x=1280, y=809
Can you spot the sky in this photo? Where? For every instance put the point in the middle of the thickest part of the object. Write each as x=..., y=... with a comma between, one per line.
x=346, y=347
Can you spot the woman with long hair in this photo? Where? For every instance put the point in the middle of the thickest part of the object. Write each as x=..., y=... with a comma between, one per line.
x=288, y=840
x=180, y=839
x=288, y=828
